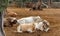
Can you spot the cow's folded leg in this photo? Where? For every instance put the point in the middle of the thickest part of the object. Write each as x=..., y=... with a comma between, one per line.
x=29, y=30
x=19, y=29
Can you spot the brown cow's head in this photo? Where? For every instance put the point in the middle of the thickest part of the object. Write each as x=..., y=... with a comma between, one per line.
x=12, y=21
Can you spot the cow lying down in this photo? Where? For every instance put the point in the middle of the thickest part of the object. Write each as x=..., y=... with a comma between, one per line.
x=32, y=27
x=30, y=19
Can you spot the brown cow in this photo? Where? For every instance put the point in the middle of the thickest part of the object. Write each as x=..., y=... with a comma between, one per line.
x=9, y=21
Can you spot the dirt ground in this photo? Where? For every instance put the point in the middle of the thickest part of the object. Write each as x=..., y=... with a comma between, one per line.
x=51, y=15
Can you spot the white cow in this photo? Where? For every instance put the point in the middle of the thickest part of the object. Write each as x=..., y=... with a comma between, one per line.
x=26, y=24
x=29, y=19
x=31, y=27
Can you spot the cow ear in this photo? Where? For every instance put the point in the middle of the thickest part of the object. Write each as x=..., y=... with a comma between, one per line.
x=46, y=22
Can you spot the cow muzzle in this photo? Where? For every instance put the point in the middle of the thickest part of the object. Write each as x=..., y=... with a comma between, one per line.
x=47, y=29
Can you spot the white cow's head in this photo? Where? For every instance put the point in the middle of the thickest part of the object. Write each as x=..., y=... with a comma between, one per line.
x=43, y=26
x=46, y=25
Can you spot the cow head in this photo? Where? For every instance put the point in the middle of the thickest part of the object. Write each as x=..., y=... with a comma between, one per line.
x=43, y=26
x=11, y=20
x=46, y=25
x=14, y=20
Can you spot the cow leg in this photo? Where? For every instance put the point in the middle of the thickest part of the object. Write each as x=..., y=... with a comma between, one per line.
x=30, y=30
x=19, y=29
